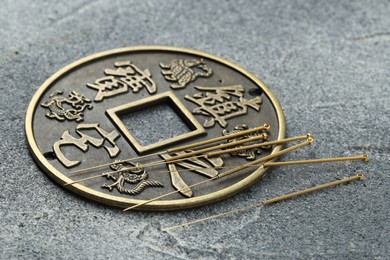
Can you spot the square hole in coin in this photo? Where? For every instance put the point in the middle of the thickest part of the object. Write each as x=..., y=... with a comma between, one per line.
x=155, y=122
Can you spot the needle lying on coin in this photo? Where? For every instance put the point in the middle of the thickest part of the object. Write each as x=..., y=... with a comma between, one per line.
x=363, y=157
x=207, y=152
x=258, y=164
x=202, y=153
x=265, y=127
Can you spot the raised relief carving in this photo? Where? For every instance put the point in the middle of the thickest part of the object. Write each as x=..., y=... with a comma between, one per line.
x=219, y=103
x=251, y=153
x=183, y=72
x=71, y=108
x=84, y=141
x=202, y=166
x=118, y=81
x=124, y=172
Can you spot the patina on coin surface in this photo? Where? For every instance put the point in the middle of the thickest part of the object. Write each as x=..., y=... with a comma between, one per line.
x=77, y=120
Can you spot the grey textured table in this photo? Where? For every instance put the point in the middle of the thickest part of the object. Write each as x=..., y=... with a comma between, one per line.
x=329, y=65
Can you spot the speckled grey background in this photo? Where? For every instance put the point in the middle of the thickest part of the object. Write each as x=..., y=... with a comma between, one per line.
x=328, y=62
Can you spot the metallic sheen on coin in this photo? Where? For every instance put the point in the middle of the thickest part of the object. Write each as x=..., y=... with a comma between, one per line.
x=83, y=126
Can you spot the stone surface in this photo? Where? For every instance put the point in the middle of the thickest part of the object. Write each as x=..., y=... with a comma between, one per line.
x=328, y=63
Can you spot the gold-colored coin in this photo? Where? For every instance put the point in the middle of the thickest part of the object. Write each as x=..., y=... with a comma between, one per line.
x=92, y=127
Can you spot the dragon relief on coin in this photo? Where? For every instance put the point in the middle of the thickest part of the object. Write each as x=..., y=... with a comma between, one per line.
x=127, y=172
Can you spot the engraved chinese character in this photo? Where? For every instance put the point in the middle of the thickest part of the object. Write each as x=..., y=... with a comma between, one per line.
x=84, y=141
x=118, y=81
x=219, y=103
x=58, y=106
x=204, y=166
x=183, y=72
x=248, y=154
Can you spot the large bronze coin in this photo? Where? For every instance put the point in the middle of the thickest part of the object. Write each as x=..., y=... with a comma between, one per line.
x=133, y=103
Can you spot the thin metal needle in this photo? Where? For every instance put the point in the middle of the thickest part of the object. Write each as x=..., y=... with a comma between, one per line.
x=363, y=157
x=221, y=146
x=185, y=147
x=249, y=147
x=111, y=163
x=170, y=193
x=131, y=168
x=359, y=176
x=216, y=139
x=213, y=216
x=192, y=156
x=266, y=158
